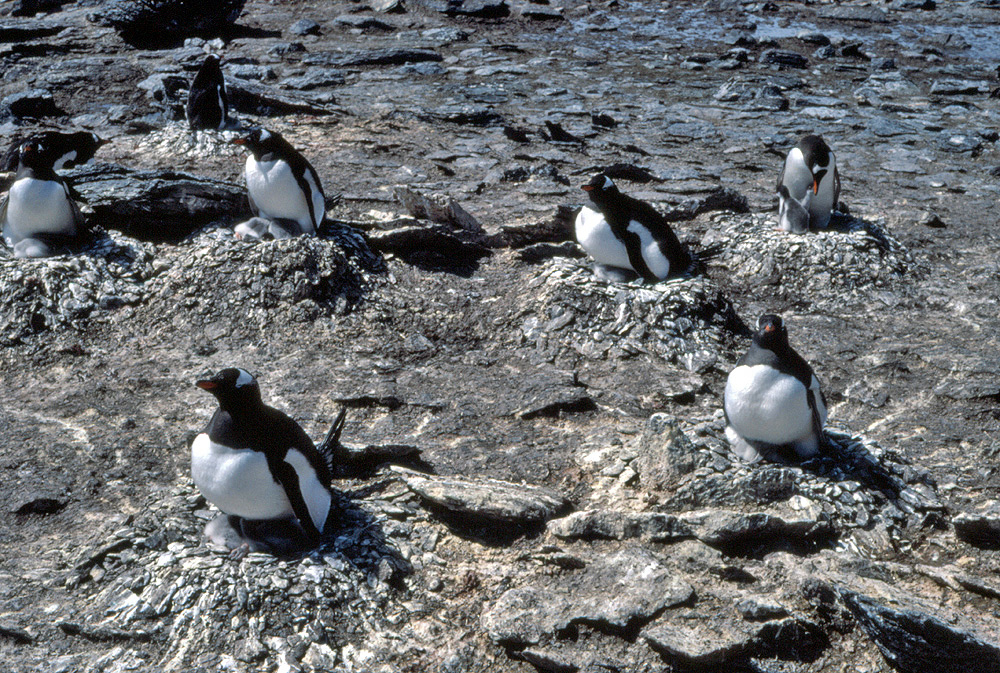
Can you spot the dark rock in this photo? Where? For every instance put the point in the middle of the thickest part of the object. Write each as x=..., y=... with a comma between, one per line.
x=783, y=59
x=980, y=528
x=164, y=90
x=19, y=636
x=542, y=13
x=752, y=95
x=518, y=135
x=756, y=611
x=286, y=48
x=41, y=506
x=156, y=205
x=155, y=24
x=605, y=593
x=259, y=99
x=614, y=525
x=491, y=499
x=603, y=120
x=558, y=134
x=819, y=39
x=23, y=32
x=36, y=103
x=304, y=27
x=480, y=9
x=434, y=245
x=701, y=641
x=372, y=57
x=362, y=22
x=554, y=229
x=914, y=641
x=854, y=13
x=959, y=143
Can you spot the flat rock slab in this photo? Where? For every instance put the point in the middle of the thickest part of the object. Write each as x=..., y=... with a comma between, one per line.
x=740, y=531
x=980, y=528
x=156, y=205
x=612, y=525
x=487, y=498
x=700, y=639
x=616, y=592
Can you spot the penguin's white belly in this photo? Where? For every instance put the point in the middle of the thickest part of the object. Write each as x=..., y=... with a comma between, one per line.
x=239, y=482
x=276, y=192
x=765, y=405
x=798, y=180
x=595, y=236
x=38, y=206
x=821, y=204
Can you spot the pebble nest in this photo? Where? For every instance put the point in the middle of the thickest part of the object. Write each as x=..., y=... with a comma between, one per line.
x=156, y=579
x=212, y=273
x=854, y=256
x=683, y=320
x=63, y=292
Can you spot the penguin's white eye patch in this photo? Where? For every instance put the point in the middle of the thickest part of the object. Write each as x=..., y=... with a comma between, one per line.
x=244, y=379
x=607, y=183
x=264, y=134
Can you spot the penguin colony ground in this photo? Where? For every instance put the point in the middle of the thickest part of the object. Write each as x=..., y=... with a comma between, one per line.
x=259, y=467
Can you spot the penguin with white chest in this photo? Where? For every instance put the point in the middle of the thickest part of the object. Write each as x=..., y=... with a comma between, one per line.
x=808, y=187
x=626, y=233
x=284, y=189
x=773, y=400
x=258, y=466
x=207, y=104
x=39, y=217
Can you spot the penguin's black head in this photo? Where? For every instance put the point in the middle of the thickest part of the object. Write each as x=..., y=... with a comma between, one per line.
x=261, y=141
x=232, y=387
x=601, y=189
x=817, y=156
x=771, y=332
x=35, y=156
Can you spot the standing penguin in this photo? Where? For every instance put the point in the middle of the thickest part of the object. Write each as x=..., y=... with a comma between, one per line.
x=627, y=233
x=69, y=149
x=207, y=104
x=808, y=187
x=259, y=467
x=773, y=400
x=283, y=188
x=39, y=216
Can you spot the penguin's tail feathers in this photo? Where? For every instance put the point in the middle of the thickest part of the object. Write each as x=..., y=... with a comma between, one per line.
x=330, y=447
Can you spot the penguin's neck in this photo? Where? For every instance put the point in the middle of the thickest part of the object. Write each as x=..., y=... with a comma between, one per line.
x=36, y=173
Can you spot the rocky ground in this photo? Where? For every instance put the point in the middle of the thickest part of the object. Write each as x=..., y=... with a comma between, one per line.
x=562, y=498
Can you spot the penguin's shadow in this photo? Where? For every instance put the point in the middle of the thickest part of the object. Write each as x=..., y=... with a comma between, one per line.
x=845, y=223
x=849, y=455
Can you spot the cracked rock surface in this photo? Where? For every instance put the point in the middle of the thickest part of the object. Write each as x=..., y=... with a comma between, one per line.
x=536, y=476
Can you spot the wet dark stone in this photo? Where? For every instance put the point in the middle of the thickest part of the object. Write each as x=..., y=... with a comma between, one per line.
x=22, y=32
x=915, y=642
x=155, y=24
x=372, y=57
x=362, y=22
x=36, y=103
x=783, y=59
x=819, y=39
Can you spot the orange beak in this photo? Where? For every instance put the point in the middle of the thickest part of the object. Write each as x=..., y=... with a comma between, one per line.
x=239, y=141
x=207, y=385
x=587, y=188
x=815, y=187
x=769, y=328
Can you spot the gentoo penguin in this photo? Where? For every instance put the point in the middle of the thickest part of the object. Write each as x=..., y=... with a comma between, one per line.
x=207, y=104
x=627, y=233
x=773, y=401
x=258, y=466
x=808, y=187
x=282, y=186
x=69, y=149
x=39, y=216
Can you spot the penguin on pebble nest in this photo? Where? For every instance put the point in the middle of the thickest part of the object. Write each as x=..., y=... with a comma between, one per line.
x=39, y=217
x=626, y=233
x=773, y=404
x=284, y=189
x=808, y=187
x=258, y=466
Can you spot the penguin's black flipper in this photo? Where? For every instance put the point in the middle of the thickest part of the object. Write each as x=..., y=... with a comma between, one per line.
x=285, y=475
x=330, y=448
x=817, y=422
x=836, y=188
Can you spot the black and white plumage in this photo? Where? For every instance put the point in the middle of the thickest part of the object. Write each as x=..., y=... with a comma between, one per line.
x=256, y=464
x=808, y=187
x=68, y=149
x=207, y=104
x=626, y=233
x=282, y=186
x=38, y=216
x=773, y=400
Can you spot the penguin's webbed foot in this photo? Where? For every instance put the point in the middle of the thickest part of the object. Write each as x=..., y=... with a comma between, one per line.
x=613, y=274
